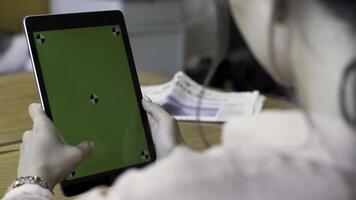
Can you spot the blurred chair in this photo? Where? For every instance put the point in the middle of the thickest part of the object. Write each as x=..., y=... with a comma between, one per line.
x=14, y=56
x=13, y=49
x=206, y=24
x=172, y=35
x=65, y=6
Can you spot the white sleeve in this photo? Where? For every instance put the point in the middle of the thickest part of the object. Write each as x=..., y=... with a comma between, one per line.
x=28, y=192
x=249, y=165
x=217, y=175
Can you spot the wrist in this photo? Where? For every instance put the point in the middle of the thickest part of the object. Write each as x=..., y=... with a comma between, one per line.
x=37, y=170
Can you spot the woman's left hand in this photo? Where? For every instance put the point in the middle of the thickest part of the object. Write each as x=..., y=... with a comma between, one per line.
x=164, y=128
x=44, y=153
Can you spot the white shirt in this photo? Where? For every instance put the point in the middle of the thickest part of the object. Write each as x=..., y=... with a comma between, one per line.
x=274, y=155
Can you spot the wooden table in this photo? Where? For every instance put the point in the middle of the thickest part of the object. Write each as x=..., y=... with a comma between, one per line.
x=18, y=91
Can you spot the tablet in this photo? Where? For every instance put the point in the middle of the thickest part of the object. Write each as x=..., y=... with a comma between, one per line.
x=88, y=86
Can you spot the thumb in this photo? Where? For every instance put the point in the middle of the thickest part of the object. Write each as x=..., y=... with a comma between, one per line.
x=155, y=110
x=76, y=154
x=72, y=156
x=86, y=148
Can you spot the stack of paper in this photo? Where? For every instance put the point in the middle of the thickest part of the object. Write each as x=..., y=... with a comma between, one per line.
x=180, y=97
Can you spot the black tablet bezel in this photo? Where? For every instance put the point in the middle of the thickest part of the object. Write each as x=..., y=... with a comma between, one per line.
x=81, y=20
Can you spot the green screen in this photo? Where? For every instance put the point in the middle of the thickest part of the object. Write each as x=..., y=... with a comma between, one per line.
x=91, y=95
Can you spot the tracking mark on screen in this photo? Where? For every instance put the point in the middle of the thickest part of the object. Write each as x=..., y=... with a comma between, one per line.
x=40, y=38
x=145, y=155
x=71, y=175
x=116, y=31
x=94, y=99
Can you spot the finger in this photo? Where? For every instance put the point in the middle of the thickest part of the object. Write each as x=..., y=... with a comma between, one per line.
x=41, y=123
x=147, y=98
x=149, y=109
x=21, y=159
x=86, y=149
x=37, y=114
x=72, y=156
x=150, y=117
x=26, y=137
x=24, y=149
x=155, y=110
x=152, y=121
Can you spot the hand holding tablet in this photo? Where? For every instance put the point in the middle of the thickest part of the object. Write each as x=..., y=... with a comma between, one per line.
x=44, y=153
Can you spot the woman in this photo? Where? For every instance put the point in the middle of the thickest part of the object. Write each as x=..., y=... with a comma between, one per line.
x=300, y=154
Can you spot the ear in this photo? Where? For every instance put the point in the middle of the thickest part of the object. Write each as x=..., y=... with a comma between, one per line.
x=348, y=94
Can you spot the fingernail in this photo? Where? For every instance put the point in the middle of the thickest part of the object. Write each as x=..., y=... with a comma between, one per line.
x=147, y=98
